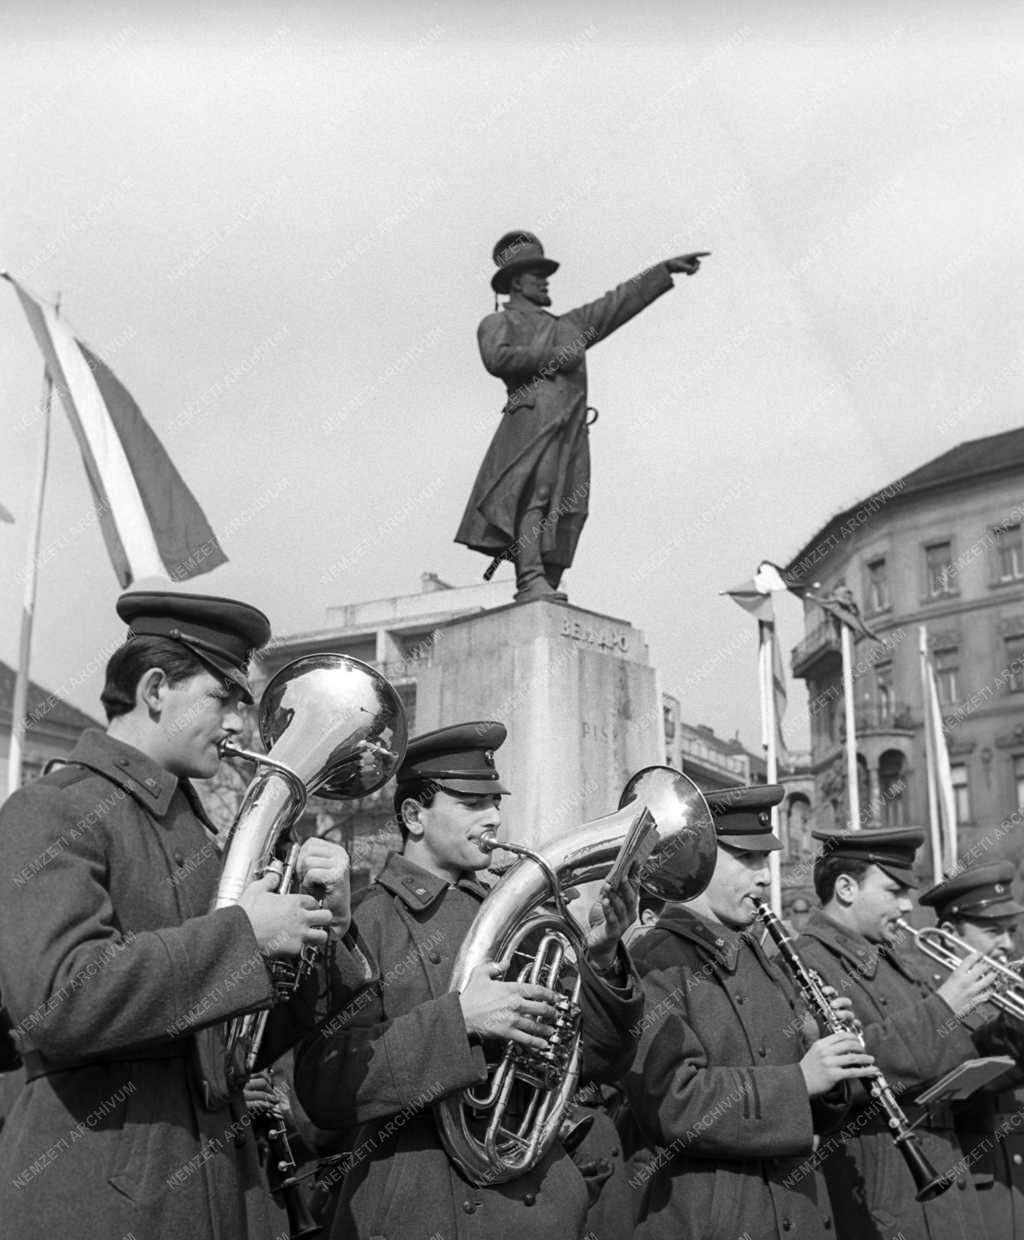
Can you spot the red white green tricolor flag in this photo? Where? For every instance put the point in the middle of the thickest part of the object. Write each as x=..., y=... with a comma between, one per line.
x=151, y=522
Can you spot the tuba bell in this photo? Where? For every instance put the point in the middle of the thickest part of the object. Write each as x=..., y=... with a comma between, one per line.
x=332, y=726
x=664, y=827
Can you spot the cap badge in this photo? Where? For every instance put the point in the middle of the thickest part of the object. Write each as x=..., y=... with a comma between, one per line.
x=489, y=757
x=999, y=889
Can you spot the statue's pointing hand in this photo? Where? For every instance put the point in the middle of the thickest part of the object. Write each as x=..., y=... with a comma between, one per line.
x=688, y=264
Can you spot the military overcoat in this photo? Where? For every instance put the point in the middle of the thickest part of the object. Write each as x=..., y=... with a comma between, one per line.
x=915, y=1038
x=541, y=358
x=110, y=961
x=401, y=1045
x=718, y=1092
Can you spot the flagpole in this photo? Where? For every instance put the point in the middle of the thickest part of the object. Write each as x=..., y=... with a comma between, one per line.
x=852, y=774
x=19, y=706
x=930, y=758
x=769, y=733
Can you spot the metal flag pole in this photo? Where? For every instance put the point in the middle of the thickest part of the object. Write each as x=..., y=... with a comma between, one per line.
x=852, y=779
x=930, y=758
x=770, y=731
x=19, y=722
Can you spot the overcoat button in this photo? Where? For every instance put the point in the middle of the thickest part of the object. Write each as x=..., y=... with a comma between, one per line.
x=761, y=1051
x=470, y=1206
x=529, y=1199
x=827, y=1224
x=120, y=761
x=179, y=856
x=787, y=1224
x=434, y=956
x=961, y=1181
x=719, y=942
x=740, y=999
x=1017, y=1160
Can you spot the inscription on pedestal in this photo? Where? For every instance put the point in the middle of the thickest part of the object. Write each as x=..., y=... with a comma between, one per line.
x=601, y=637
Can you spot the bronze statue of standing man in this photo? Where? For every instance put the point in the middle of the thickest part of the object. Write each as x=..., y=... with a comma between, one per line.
x=529, y=501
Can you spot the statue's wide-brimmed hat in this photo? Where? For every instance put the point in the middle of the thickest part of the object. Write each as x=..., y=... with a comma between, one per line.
x=519, y=251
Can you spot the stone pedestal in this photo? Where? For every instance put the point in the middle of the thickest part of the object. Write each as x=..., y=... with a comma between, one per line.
x=577, y=694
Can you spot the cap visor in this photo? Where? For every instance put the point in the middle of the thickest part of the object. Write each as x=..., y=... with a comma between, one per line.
x=1005, y=908
x=223, y=668
x=757, y=841
x=474, y=787
x=906, y=877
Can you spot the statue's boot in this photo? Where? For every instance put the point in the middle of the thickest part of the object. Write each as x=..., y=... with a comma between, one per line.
x=531, y=582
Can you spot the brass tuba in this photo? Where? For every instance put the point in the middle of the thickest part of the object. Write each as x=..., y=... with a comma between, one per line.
x=497, y=1132
x=332, y=726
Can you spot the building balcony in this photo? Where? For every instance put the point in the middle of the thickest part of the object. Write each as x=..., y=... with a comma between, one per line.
x=819, y=652
x=897, y=720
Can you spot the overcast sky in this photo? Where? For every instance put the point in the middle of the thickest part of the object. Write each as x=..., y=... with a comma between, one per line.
x=275, y=224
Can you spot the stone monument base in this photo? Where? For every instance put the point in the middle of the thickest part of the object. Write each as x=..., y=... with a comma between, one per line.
x=578, y=696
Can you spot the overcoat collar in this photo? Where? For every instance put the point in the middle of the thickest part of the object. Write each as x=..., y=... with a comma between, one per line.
x=712, y=938
x=129, y=768
x=416, y=887
x=852, y=947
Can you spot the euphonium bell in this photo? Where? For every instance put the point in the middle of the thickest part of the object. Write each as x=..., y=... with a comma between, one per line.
x=333, y=726
x=496, y=1132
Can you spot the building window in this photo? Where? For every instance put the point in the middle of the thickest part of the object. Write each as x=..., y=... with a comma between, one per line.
x=883, y=693
x=939, y=569
x=878, y=585
x=892, y=787
x=1018, y=779
x=1013, y=670
x=961, y=793
x=1009, y=553
x=947, y=675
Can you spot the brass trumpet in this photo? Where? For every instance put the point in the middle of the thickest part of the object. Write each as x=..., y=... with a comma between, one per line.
x=950, y=951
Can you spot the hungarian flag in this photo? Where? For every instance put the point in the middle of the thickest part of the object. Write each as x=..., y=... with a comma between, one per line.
x=151, y=522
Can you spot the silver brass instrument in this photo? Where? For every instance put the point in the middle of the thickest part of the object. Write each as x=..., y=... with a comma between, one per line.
x=332, y=726
x=495, y=1133
x=928, y=1183
x=951, y=951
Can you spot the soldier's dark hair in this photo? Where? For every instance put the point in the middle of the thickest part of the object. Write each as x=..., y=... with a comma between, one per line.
x=131, y=661
x=421, y=790
x=828, y=869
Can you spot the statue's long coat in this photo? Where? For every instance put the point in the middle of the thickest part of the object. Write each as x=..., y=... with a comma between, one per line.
x=110, y=962
x=541, y=358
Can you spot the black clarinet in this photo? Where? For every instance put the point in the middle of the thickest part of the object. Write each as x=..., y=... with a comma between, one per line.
x=281, y=1178
x=928, y=1181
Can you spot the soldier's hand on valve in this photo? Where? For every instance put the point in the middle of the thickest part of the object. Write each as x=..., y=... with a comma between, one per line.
x=835, y=1058
x=970, y=984
x=323, y=870
x=283, y=924
x=517, y=1011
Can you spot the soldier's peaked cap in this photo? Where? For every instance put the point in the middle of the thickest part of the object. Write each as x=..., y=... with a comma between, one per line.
x=221, y=632
x=743, y=817
x=458, y=759
x=518, y=251
x=986, y=891
x=892, y=849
